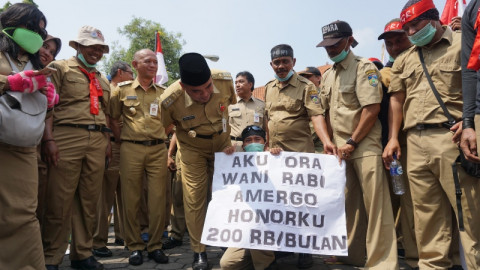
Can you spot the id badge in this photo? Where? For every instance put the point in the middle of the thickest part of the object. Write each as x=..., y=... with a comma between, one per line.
x=224, y=124
x=154, y=109
x=256, y=117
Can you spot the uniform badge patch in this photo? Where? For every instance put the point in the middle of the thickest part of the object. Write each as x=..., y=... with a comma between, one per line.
x=168, y=101
x=372, y=77
x=315, y=99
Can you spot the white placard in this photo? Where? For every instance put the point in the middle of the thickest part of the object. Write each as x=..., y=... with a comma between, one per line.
x=290, y=202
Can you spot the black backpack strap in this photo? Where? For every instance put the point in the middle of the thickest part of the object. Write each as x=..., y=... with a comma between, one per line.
x=458, y=194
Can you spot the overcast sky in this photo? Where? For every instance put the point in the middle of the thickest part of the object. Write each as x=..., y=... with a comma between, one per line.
x=241, y=33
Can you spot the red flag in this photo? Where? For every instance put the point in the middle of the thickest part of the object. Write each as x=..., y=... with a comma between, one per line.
x=453, y=8
x=162, y=76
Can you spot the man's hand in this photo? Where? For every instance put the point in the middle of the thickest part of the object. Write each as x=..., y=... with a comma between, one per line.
x=275, y=151
x=393, y=146
x=468, y=144
x=50, y=152
x=345, y=152
x=456, y=23
x=229, y=150
x=171, y=164
x=330, y=148
x=457, y=130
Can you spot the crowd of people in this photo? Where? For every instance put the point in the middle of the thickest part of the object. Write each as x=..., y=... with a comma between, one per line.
x=74, y=144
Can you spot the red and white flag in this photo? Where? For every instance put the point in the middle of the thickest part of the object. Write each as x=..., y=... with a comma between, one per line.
x=453, y=8
x=162, y=76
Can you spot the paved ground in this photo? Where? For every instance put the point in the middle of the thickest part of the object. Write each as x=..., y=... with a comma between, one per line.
x=182, y=257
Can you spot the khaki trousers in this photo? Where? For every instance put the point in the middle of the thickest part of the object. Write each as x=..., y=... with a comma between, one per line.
x=20, y=240
x=430, y=156
x=246, y=259
x=177, y=217
x=197, y=174
x=111, y=193
x=403, y=211
x=42, y=186
x=137, y=160
x=367, y=175
x=73, y=189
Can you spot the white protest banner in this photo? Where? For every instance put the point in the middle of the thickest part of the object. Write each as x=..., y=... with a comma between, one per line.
x=290, y=202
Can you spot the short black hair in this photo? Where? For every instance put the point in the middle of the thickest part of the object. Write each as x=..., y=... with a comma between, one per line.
x=249, y=77
x=118, y=65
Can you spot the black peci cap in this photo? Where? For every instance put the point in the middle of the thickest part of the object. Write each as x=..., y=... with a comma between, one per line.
x=194, y=69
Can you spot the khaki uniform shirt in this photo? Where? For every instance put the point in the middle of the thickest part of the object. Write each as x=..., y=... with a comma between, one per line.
x=203, y=119
x=289, y=110
x=246, y=113
x=134, y=104
x=73, y=87
x=346, y=88
x=386, y=73
x=443, y=63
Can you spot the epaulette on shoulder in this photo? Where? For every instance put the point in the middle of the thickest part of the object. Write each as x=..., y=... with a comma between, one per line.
x=124, y=83
x=161, y=86
x=221, y=75
x=170, y=95
x=269, y=82
x=303, y=79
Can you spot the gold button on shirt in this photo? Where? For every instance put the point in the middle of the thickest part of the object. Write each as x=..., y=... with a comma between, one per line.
x=443, y=62
x=346, y=88
x=73, y=88
x=243, y=114
x=131, y=102
x=289, y=110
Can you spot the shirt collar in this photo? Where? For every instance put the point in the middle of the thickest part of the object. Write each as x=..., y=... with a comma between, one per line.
x=345, y=62
x=293, y=81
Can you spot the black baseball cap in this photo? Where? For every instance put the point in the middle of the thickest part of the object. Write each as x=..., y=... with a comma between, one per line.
x=334, y=32
x=310, y=71
x=194, y=69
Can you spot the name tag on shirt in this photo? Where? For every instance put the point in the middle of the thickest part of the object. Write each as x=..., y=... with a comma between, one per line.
x=256, y=117
x=154, y=109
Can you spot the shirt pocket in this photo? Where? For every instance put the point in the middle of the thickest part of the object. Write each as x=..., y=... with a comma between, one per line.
x=325, y=95
x=408, y=76
x=293, y=105
x=131, y=107
x=450, y=75
x=75, y=86
x=348, y=97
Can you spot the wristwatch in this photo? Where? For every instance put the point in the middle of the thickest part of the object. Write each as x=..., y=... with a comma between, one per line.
x=352, y=142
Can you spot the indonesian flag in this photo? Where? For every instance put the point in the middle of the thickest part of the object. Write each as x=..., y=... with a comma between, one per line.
x=162, y=76
x=453, y=8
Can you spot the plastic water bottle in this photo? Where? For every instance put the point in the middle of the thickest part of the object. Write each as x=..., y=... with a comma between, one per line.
x=396, y=172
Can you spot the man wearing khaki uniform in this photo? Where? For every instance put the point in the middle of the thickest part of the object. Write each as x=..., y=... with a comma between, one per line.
x=248, y=111
x=430, y=140
x=198, y=104
x=142, y=150
x=292, y=101
x=76, y=149
x=110, y=196
x=351, y=95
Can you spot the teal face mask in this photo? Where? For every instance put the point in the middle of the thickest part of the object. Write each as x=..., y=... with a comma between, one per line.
x=339, y=58
x=82, y=58
x=254, y=147
x=28, y=40
x=289, y=75
x=423, y=36
x=391, y=59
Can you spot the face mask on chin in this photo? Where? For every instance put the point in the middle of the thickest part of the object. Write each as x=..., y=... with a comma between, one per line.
x=289, y=75
x=28, y=40
x=424, y=36
x=82, y=58
x=339, y=57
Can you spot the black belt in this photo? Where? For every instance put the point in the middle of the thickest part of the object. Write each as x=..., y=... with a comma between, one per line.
x=209, y=137
x=147, y=143
x=238, y=139
x=428, y=126
x=88, y=127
